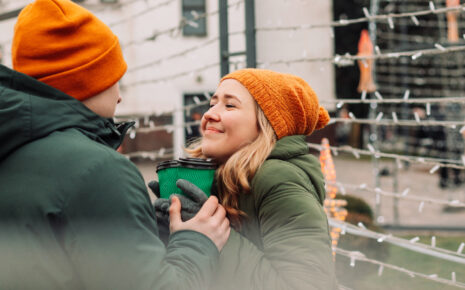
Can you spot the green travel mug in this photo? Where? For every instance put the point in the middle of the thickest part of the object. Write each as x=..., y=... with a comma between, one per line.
x=200, y=172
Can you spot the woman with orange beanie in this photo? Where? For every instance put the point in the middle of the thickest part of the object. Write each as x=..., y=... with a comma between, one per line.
x=271, y=188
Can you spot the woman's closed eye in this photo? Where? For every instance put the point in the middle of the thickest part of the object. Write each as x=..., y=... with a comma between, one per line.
x=226, y=105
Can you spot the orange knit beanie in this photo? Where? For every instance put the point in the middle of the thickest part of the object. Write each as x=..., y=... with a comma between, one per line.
x=289, y=103
x=65, y=46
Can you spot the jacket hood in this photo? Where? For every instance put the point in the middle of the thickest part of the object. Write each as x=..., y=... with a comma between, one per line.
x=294, y=149
x=30, y=110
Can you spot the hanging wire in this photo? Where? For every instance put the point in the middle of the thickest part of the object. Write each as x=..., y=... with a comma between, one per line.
x=179, y=54
x=407, y=244
x=368, y=18
x=410, y=123
x=170, y=77
x=348, y=59
x=379, y=191
x=422, y=160
x=358, y=256
x=451, y=100
x=175, y=29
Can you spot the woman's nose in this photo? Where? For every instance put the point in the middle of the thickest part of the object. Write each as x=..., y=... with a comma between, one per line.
x=212, y=114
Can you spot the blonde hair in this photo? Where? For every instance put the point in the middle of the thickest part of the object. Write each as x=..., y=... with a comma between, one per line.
x=235, y=175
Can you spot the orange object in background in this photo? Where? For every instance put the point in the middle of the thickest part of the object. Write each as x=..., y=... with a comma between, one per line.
x=333, y=207
x=365, y=48
x=452, y=24
x=327, y=167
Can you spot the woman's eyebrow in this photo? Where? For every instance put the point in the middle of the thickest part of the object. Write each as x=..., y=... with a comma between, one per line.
x=226, y=96
x=229, y=96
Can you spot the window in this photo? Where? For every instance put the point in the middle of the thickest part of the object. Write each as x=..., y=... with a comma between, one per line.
x=191, y=9
x=194, y=115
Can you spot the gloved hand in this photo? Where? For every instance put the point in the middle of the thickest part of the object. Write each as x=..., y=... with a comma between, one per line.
x=190, y=203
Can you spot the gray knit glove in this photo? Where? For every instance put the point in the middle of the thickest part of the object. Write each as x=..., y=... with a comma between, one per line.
x=191, y=201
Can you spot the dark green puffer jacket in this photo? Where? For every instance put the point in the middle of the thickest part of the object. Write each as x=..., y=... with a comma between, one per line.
x=74, y=213
x=284, y=243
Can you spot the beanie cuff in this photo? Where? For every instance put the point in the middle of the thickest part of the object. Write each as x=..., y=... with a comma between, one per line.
x=257, y=88
x=91, y=78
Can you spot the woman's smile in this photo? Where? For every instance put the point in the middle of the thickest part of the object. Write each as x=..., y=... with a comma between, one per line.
x=212, y=130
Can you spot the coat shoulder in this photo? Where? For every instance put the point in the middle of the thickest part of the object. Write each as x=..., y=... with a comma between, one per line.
x=276, y=171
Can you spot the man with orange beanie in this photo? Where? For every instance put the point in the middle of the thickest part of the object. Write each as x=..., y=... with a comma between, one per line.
x=75, y=214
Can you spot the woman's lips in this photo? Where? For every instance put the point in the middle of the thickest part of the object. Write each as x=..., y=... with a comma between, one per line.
x=212, y=130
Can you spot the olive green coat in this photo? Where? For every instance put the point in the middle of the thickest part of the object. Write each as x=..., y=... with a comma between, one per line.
x=284, y=243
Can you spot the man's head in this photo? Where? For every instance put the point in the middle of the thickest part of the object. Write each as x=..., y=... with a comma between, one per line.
x=65, y=46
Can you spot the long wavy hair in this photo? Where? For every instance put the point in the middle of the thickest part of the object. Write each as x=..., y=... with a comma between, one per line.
x=234, y=176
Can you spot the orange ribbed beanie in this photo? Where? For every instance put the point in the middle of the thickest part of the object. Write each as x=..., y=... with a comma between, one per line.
x=65, y=46
x=289, y=103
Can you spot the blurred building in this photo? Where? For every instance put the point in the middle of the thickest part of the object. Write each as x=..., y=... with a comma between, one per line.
x=173, y=54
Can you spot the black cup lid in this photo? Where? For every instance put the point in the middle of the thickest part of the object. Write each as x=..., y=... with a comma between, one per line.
x=168, y=164
x=197, y=163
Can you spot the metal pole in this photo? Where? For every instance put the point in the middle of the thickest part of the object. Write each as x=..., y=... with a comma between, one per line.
x=373, y=108
x=250, y=33
x=395, y=188
x=224, y=37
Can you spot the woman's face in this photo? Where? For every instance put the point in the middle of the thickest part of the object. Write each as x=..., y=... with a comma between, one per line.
x=231, y=121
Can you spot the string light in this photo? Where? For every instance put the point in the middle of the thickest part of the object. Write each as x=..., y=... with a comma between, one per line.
x=460, y=249
x=176, y=55
x=418, y=122
x=348, y=59
x=385, y=17
x=424, y=160
x=152, y=155
x=355, y=255
x=144, y=11
x=167, y=127
x=404, y=100
x=121, y=117
x=416, y=247
x=170, y=77
x=420, y=92
x=179, y=54
x=173, y=30
x=422, y=200
x=116, y=6
x=415, y=20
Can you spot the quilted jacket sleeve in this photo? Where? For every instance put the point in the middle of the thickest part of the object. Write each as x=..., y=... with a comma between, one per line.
x=295, y=248
x=112, y=238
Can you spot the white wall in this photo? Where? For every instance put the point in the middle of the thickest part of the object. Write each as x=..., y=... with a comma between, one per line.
x=301, y=43
x=167, y=95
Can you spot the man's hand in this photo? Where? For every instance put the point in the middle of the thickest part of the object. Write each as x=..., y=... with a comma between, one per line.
x=210, y=220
